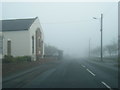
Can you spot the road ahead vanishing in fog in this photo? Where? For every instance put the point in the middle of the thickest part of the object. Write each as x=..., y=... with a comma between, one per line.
x=66, y=74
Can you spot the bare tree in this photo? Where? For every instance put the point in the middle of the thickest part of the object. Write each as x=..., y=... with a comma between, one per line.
x=112, y=49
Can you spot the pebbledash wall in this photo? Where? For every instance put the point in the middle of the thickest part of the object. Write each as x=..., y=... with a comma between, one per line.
x=21, y=41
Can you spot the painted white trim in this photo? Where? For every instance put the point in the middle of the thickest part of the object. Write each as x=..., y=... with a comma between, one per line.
x=9, y=39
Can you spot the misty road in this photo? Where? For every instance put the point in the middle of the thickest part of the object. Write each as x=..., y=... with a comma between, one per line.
x=66, y=74
x=33, y=36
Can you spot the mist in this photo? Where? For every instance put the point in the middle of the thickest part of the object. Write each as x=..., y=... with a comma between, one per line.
x=59, y=45
x=70, y=26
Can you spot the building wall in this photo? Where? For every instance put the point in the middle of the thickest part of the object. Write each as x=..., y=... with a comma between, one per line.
x=119, y=30
x=1, y=45
x=20, y=43
x=33, y=29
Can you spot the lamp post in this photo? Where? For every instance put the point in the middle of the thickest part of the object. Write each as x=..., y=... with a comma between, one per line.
x=101, y=30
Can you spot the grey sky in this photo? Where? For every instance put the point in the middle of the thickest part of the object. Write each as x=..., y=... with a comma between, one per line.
x=69, y=26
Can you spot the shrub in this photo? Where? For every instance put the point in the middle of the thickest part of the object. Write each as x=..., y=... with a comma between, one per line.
x=22, y=58
x=10, y=59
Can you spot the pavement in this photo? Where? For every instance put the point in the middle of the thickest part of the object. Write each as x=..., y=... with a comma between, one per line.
x=66, y=73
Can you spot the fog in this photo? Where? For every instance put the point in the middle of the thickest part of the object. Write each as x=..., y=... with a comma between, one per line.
x=69, y=26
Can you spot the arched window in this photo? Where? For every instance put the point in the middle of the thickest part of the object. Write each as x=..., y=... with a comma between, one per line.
x=9, y=47
x=32, y=44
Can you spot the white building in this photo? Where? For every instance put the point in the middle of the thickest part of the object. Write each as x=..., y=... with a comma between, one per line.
x=23, y=37
x=1, y=46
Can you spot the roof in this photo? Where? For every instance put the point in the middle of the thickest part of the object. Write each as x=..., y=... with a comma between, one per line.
x=17, y=24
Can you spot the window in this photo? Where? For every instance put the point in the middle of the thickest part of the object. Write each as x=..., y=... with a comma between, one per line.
x=32, y=44
x=9, y=47
x=39, y=43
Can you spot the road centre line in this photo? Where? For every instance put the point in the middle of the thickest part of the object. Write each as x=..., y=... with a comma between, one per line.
x=90, y=72
x=94, y=75
x=106, y=85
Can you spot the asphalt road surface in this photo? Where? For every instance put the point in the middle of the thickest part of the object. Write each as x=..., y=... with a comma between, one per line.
x=71, y=73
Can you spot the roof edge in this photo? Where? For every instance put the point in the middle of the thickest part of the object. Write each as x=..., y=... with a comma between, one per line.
x=33, y=22
x=19, y=18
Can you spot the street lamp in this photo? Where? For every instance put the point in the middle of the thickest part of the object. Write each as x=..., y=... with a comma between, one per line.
x=101, y=29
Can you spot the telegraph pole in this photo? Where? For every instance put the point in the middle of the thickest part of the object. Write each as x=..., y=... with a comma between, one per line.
x=101, y=37
x=101, y=30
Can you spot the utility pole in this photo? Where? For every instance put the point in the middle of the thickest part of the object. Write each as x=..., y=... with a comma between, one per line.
x=101, y=37
x=101, y=30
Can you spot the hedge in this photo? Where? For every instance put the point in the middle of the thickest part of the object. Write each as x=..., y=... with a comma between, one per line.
x=9, y=59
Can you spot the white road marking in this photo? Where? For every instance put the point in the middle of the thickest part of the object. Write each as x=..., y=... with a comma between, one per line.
x=90, y=72
x=106, y=85
x=83, y=66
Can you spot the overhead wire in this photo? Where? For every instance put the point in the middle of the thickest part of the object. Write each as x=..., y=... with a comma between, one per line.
x=79, y=21
x=66, y=22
